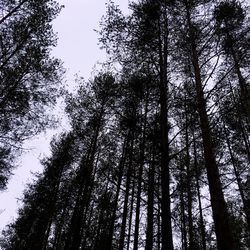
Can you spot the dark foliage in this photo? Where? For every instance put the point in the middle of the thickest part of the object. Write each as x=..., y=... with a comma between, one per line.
x=158, y=154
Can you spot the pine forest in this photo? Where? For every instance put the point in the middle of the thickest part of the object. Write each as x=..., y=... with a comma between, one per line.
x=157, y=154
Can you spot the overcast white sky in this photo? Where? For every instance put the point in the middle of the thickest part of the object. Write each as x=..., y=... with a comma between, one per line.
x=78, y=49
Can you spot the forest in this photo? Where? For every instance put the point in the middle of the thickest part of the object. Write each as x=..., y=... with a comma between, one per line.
x=157, y=156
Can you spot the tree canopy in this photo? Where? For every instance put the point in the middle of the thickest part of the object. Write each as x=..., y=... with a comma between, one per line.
x=157, y=155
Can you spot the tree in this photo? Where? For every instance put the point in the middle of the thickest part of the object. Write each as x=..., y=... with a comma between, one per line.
x=88, y=117
x=220, y=212
x=29, y=76
x=149, y=22
x=229, y=16
x=32, y=228
x=153, y=139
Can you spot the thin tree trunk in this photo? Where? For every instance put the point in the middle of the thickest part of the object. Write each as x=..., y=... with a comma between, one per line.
x=245, y=98
x=87, y=233
x=238, y=179
x=73, y=240
x=131, y=215
x=138, y=198
x=150, y=204
x=76, y=233
x=120, y=174
x=40, y=230
x=166, y=227
x=159, y=218
x=202, y=226
x=57, y=241
x=99, y=241
x=125, y=206
x=189, y=184
x=183, y=216
x=244, y=136
x=87, y=203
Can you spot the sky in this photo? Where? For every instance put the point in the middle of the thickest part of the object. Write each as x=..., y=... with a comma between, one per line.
x=78, y=49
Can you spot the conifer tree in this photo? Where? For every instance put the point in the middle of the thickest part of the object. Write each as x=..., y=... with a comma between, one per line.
x=32, y=228
x=220, y=213
x=29, y=75
x=229, y=16
x=159, y=149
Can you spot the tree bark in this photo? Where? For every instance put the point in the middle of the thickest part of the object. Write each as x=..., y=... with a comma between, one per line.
x=150, y=204
x=183, y=215
x=202, y=226
x=189, y=184
x=131, y=215
x=138, y=198
x=125, y=206
x=166, y=226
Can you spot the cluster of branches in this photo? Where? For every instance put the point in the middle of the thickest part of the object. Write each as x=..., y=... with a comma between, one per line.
x=29, y=77
x=158, y=153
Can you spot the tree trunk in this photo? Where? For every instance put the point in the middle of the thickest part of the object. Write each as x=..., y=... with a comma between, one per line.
x=119, y=182
x=238, y=179
x=242, y=129
x=223, y=229
x=125, y=207
x=183, y=216
x=159, y=218
x=138, y=198
x=99, y=240
x=166, y=227
x=131, y=215
x=202, y=226
x=73, y=239
x=189, y=184
x=245, y=98
x=150, y=204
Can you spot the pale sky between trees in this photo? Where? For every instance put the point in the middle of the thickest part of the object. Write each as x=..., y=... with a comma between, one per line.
x=145, y=144
x=78, y=49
